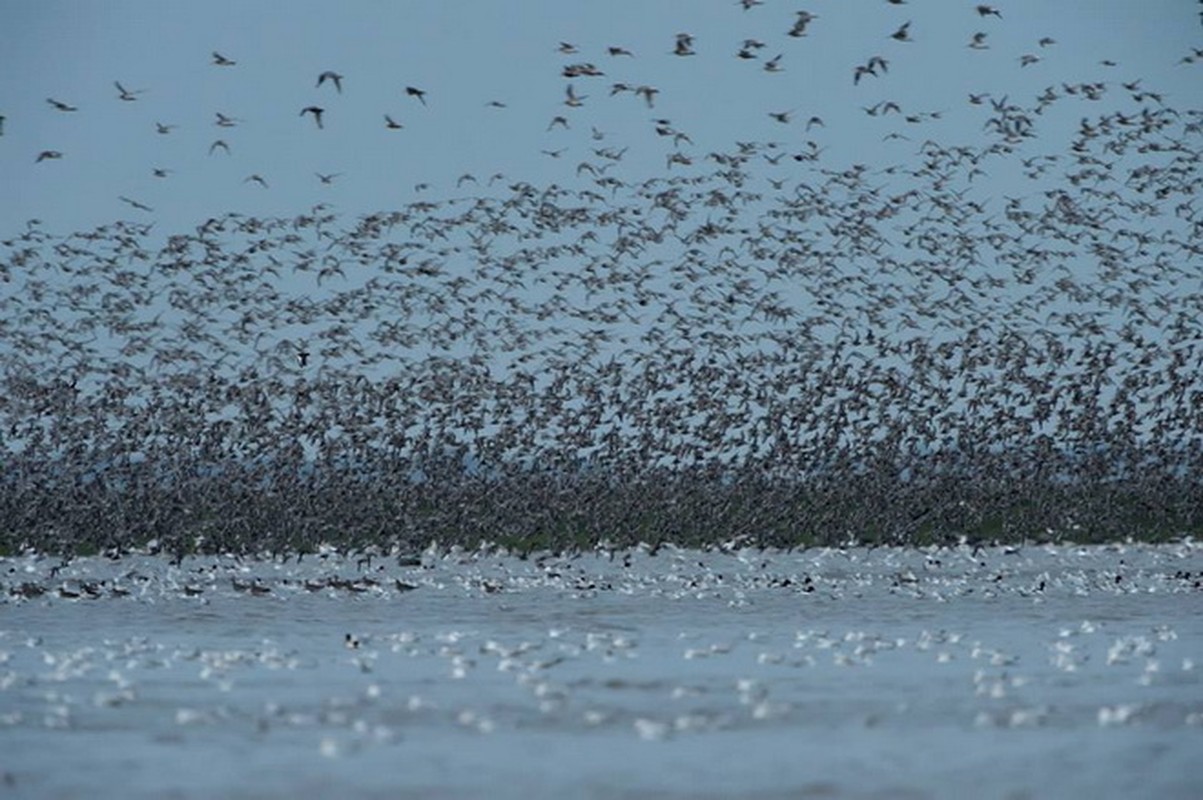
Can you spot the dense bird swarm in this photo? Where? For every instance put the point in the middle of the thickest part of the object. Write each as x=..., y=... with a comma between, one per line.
x=730, y=349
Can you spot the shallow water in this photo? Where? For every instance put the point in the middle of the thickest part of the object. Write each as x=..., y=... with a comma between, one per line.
x=1041, y=671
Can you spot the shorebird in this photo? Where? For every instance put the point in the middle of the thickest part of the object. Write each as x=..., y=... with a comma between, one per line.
x=127, y=95
x=333, y=77
x=61, y=106
x=221, y=60
x=415, y=92
x=392, y=124
x=48, y=154
x=316, y=112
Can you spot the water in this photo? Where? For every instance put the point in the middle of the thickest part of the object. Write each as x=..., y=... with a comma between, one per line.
x=1041, y=671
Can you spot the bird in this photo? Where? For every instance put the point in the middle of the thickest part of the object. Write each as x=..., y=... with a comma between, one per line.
x=799, y=27
x=333, y=77
x=988, y=11
x=127, y=95
x=47, y=155
x=255, y=178
x=219, y=144
x=224, y=121
x=164, y=129
x=135, y=203
x=392, y=124
x=327, y=178
x=415, y=92
x=61, y=106
x=316, y=111
x=222, y=61
x=903, y=33
x=684, y=45
x=619, y=51
x=978, y=42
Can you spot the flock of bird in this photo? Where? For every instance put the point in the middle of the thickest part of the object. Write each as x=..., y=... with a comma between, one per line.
x=756, y=342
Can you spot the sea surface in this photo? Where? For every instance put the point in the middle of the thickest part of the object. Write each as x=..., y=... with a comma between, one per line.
x=1032, y=671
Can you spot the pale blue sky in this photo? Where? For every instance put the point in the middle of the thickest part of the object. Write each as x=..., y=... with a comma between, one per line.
x=467, y=53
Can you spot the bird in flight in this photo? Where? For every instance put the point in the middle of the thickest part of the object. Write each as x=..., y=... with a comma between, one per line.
x=327, y=179
x=988, y=11
x=48, y=154
x=128, y=95
x=256, y=178
x=61, y=106
x=903, y=33
x=392, y=124
x=684, y=46
x=135, y=204
x=316, y=111
x=164, y=129
x=804, y=19
x=221, y=60
x=415, y=92
x=219, y=143
x=333, y=77
x=225, y=122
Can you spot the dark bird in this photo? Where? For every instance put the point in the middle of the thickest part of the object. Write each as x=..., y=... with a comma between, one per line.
x=61, y=106
x=219, y=143
x=333, y=77
x=135, y=203
x=903, y=33
x=316, y=112
x=988, y=11
x=684, y=46
x=619, y=51
x=415, y=92
x=392, y=124
x=256, y=178
x=799, y=28
x=128, y=95
x=164, y=129
x=225, y=122
x=221, y=60
x=978, y=42
x=327, y=178
x=48, y=154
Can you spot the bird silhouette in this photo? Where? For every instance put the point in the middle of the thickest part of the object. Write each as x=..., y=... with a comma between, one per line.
x=316, y=112
x=333, y=77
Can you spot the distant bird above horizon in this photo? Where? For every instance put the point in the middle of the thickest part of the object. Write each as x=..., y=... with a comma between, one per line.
x=222, y=61
x=413, y=91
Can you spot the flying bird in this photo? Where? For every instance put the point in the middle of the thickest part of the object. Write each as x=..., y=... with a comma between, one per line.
x=333, y=77
x=135, y=204
x=988, y=11
x=903, y=33
x=48, y=154
x=225, y=122
x=415, y=92
x=128, y=95
x=316, y=111
x=219, y=143
x=256, y=178
x=164, y=129
x=61, y=106
x=327, y=179
x=392, y=124
x=221, y=60
x=684, y=46
x=804, y=19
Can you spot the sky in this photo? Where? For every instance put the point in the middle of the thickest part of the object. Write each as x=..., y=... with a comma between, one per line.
x=492, y=77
